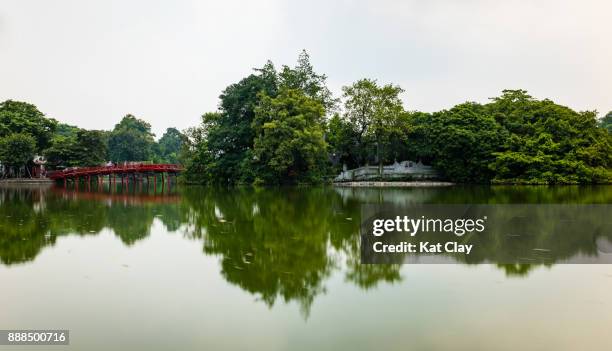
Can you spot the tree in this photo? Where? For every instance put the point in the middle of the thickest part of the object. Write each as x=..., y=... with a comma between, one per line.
x=62, y=152
x=92, y=147
x=460, y=142
x=229, y=135
x=606, y=122
x=66, y=130
x=303, y=77
x=21, y=117
x=195, y=157
x=374, y=112
x=169, y=146
x=549, y=143
x=343, y=143
x=289, y=144
x=131, y=140
x=16, y=151
x=82, y=148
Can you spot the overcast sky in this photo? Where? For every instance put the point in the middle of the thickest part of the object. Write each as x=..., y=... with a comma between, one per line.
x=88, y=63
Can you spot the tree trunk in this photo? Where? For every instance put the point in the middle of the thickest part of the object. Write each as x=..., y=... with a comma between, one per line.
x=380, y=163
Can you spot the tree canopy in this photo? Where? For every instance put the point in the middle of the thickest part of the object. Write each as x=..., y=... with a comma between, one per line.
x=373, y=115
x=168, y=147
x=606, y=122
x=227, y=137
x=284, y=126
x=131, y=140
x=548, y=143
x=83, y=148
x=22, y=117
x=16, y=150
x=289, y=145
x=514, y=139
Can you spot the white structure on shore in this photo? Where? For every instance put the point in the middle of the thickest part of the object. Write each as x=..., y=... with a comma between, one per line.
x=405, y=170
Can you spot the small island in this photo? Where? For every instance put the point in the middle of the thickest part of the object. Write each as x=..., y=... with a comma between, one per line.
x=283, y=126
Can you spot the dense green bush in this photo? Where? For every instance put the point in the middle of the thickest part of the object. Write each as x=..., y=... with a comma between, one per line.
x=514, y=139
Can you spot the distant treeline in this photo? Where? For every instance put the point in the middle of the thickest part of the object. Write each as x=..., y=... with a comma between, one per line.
x=26, y=132
x=284, y=126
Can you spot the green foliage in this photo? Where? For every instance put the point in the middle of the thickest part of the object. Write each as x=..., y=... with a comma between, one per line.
x=66, y=130
x=62, y=152
x=131, y=140
x=17, y=150
x=229, y=133
x=283, y=126
x=226, y=139
x=606, y=122
x=459, y=142
x=374, y=115
x=168, y=147
x=303, y=77
x=282, y=245
x=195, y=156
x=289, y=145
x=21, y=117
x=514, y=139
x=92, y=147
x=343, y=143
x=269, y=130
x=84, y=148
x=549, y=143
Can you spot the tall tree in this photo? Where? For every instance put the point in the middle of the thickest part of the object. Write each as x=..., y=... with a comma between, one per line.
x=131, y=140
x=62, y=152
x=606, y=122
x=83, y=148
x=21, y=117
x=169, y=145
x=195, y=156
x=229, y=133
x=460, y=142
x=343, y=143
x=92, y=147
x=374, y=112
x=303, y=77
x=289, y=143
x=16, y=151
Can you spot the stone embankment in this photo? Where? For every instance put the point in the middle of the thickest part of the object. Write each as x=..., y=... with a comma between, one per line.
x=415, y=184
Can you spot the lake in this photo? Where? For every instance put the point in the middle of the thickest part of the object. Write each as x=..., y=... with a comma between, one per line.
x=196, y=268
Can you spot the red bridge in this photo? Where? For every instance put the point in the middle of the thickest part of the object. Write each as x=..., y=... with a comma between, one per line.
x=136, y=171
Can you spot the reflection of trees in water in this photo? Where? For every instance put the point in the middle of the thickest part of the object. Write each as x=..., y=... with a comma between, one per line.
x=274, y=243
x=508, y=194
x=517, y=270
x=23, y=227
x=32, y=218
x=557, y=238
x=280, y=242
x=517, y=234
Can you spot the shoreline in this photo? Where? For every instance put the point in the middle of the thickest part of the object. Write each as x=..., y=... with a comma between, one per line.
x=380, y=184
x=18, y=181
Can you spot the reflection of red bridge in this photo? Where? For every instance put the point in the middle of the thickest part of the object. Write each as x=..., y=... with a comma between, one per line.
x=135, y=171
x=125, y=198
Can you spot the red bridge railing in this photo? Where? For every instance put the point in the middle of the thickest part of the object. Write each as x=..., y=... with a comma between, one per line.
x=117, y=169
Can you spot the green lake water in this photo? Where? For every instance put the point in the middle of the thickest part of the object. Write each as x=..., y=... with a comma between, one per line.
x=279, y=269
